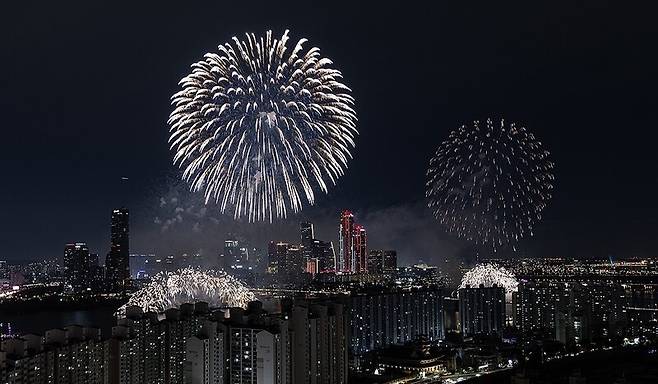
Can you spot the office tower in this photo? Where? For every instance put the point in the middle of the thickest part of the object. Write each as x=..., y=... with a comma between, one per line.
x=381, y=317
x=77, y=267
x=243, y=258
x=276, y=253
x=4, y=270
x=389, y=261
x=345, y=260
x=360, y=249
x=307, y=235
x=482, y=310
x=376, y=261
x=230, y=255
x=312, y=266
x=287, y=263
x=292, y=265
x=170, y=263
x=382, y=261
x=94, y=259
x=235, y=259
x=117, y=264
x=324, y=252
x=234, y=256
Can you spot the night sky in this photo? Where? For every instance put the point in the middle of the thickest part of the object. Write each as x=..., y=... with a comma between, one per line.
x=85, y=89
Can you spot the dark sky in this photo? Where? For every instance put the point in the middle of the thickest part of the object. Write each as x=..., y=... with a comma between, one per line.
x=84, y=99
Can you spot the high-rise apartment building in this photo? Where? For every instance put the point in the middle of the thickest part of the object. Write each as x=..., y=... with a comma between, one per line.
x=205, y=355
x=380, y=317
x=482, y=310
x=73, y=354
x=307, y=343
x=319, y=343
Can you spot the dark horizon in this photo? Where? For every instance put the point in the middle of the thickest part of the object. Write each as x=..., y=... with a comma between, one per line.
x=86, y=101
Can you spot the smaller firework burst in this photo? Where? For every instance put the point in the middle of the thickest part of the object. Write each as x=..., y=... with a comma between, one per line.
x=489, y=183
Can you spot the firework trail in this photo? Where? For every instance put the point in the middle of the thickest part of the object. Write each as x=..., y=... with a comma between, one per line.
x=260, y=128
x=490, y=182
x=489, y=274
x=171, y=289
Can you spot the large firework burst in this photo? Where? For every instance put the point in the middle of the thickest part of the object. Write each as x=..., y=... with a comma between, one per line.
x=171, y=289
x=490, y=182
x=489, y=274
x=259, y=128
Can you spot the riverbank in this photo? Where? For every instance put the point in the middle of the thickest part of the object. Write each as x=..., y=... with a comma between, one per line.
x=630, y=365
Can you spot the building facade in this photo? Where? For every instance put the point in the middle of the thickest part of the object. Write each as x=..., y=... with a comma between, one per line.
x=78, y=272
x=482, y=310
x=381, y=317
x=117, y=263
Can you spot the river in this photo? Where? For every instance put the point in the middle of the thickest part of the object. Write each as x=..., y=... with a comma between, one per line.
x=40, y=321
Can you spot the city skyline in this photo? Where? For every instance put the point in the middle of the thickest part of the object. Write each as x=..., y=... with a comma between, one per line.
x=332, y=193
x=564, y=80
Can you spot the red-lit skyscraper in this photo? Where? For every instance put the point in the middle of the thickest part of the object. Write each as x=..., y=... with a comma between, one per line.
x=360, y=252
x=345, y=260
x=352, y=254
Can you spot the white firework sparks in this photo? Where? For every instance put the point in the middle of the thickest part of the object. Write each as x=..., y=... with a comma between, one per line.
x=259, y=128
x=489, y=274
x=489, y=183
x=170, y=290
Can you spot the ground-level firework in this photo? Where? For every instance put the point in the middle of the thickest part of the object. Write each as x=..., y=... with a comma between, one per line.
x=490, y=274
x=188, y=285
x=259, y=127
x=489, y=183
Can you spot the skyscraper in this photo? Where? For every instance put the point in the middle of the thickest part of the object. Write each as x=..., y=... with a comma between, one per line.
x=376, y=261
x=118, y=262
x=382, y=261
x=324, y=252
x=389, y=261
x=77, y=266
x=4, y=270
x=383, y=316
x=307, y=235
x=230, y=255
x=360, y=249
x=345, y=261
